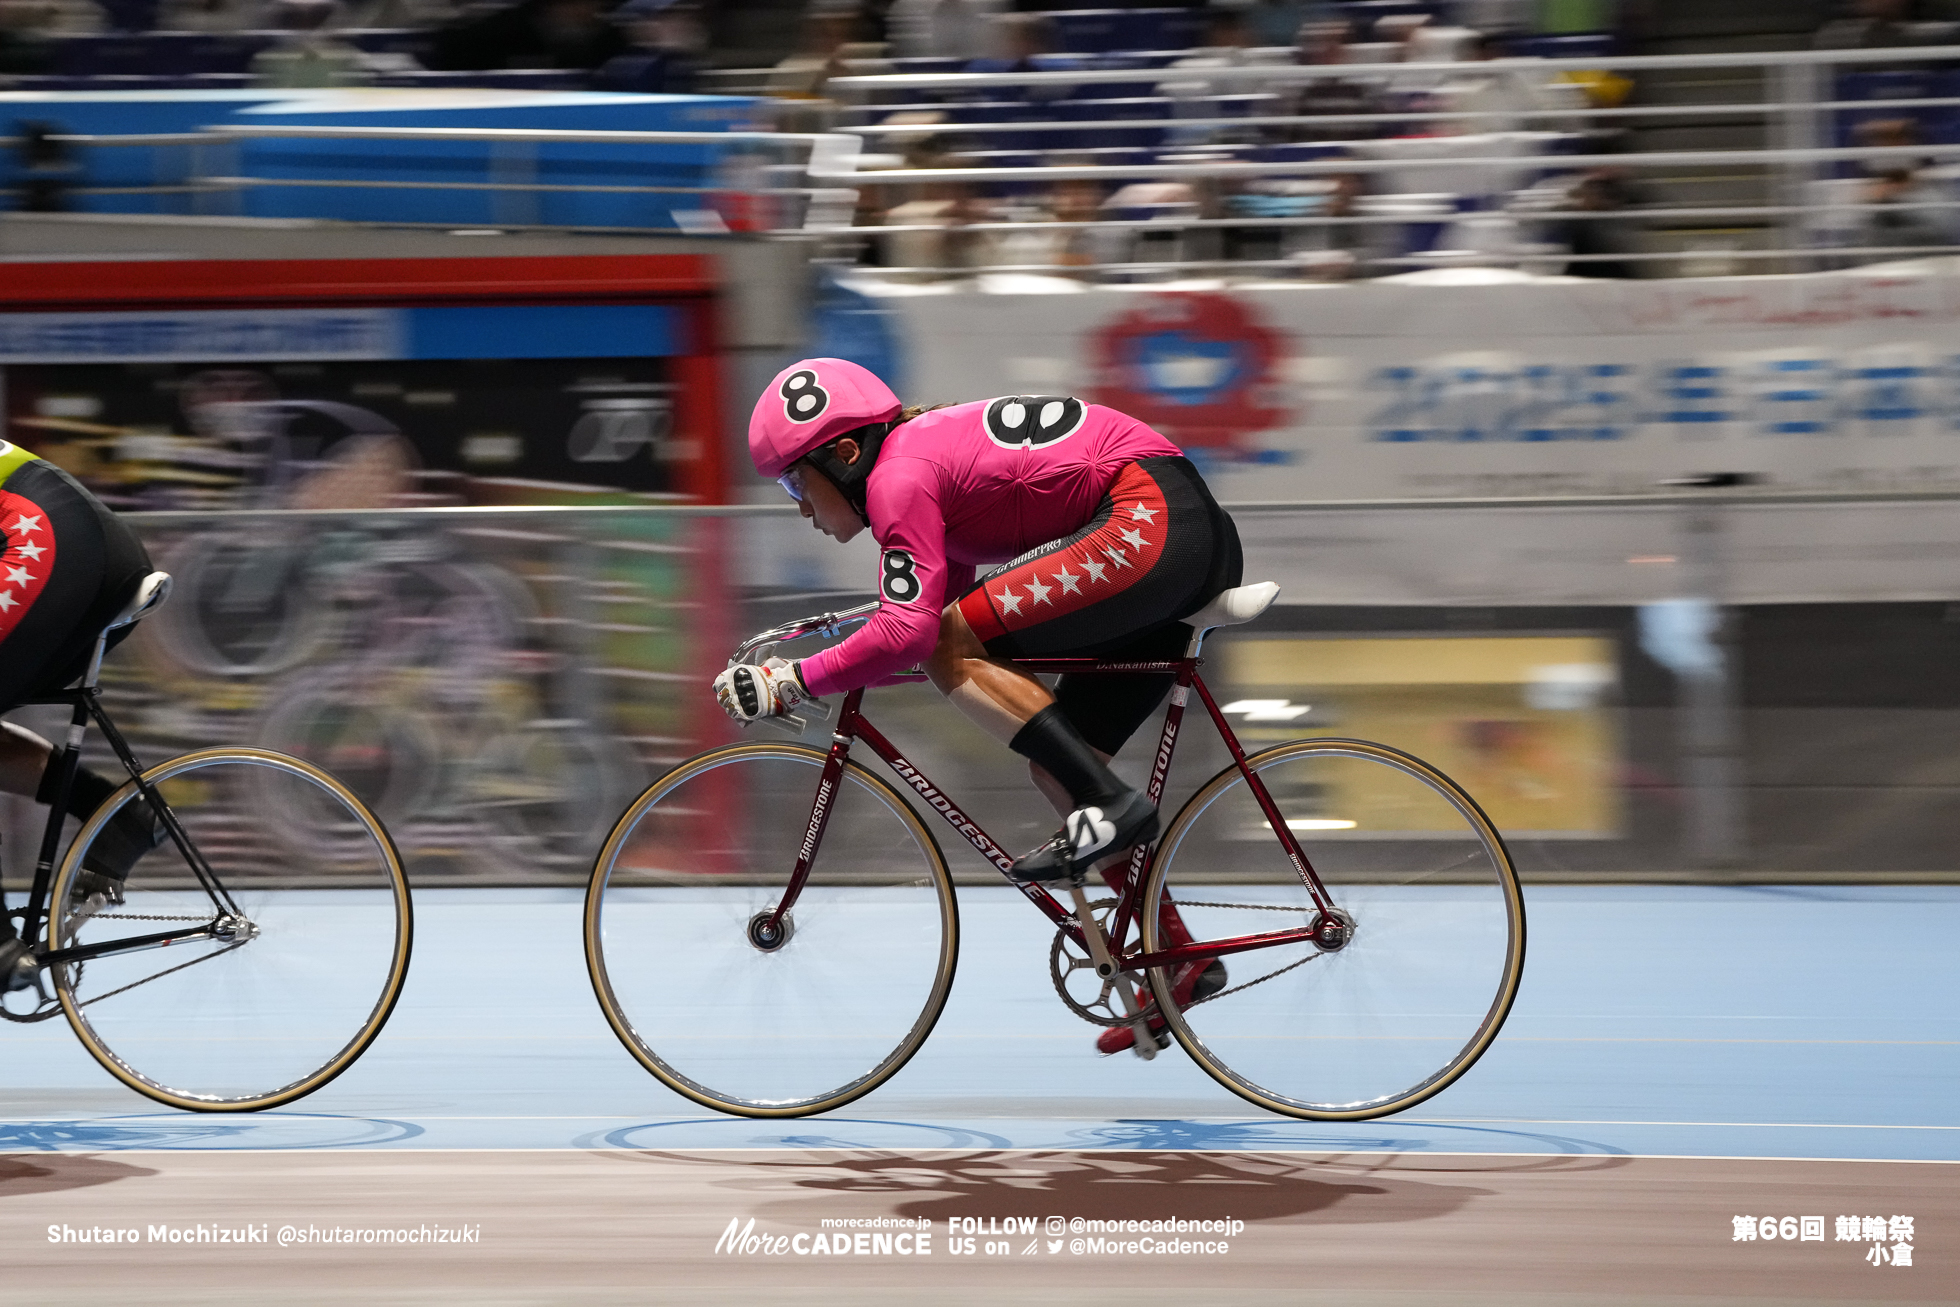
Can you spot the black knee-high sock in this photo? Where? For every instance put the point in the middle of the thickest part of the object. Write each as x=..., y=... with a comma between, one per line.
x=88, y=791
x=1050, y=740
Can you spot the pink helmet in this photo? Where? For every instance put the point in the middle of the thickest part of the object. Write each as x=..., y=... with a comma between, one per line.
x=812, y=403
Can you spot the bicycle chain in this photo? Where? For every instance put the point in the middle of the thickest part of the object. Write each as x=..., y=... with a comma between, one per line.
x=1245, y=907
x=53, y=1008
x=1211, y=998
x=161, y=974
x=1150, y=1008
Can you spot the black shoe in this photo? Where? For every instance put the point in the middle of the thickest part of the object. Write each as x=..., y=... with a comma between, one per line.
x=1210, y=981
x=118, y=846
x=1088, y=834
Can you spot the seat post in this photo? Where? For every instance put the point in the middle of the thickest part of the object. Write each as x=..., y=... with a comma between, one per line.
x=93, y=677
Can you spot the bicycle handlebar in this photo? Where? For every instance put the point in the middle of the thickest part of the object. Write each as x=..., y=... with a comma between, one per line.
x=758, y=647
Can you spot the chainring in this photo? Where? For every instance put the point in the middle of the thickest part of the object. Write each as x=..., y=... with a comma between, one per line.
x=1067, y=961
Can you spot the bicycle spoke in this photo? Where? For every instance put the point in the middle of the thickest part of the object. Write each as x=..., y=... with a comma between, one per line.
x=698, y=987
x=1416, y=960
x=279, y=857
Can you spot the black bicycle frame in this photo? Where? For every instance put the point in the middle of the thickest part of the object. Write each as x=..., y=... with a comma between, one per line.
x=853, y=725
x=85, y=703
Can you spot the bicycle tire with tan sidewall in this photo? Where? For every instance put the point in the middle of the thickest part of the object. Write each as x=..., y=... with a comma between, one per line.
x=1472, y=871
x=301, y=913
x=685, y=912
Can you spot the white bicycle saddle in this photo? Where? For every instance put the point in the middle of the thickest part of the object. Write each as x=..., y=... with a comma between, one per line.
x=1235, y=607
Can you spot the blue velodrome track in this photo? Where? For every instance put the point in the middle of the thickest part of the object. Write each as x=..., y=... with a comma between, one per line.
x=1683, y=1062
x=1677, y=1021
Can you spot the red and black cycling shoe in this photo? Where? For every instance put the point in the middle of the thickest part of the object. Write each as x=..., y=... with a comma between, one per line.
x=1199, y=982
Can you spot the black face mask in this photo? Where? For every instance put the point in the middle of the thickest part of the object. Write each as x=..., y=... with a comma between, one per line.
x=851, y=478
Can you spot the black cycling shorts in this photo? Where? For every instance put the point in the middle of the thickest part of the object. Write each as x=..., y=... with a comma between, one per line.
x=67, y=567
x=1157, y=549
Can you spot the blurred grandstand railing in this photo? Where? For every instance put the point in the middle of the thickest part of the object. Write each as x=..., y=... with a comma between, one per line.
x=1085, y=178
x=1858, y=167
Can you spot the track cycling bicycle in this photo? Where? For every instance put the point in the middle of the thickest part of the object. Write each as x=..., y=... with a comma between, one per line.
x=791, y=960
x=233, y=968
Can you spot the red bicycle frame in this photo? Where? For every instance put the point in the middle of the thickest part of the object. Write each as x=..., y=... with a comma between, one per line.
x=852, y=725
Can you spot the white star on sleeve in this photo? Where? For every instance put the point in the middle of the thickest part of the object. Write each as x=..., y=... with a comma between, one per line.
x=1039, y=592
x=18, y=576
x=28, y=524
x=1142, y=514
x=7, y=602
x=1117, y=557
x=32, y=552
x=1070, y=582
x=1135, y=538
x=1010, y=603
x=1094, y=569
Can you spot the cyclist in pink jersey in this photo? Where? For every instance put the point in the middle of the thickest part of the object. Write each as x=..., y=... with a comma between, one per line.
x=1108, y=537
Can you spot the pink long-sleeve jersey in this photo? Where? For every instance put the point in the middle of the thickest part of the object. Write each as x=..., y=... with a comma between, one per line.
x=972, y=484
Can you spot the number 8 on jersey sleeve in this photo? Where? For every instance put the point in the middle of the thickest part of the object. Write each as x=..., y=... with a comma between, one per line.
x=899, y=582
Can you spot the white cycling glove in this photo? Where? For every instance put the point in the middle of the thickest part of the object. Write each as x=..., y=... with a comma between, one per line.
x=747, y=692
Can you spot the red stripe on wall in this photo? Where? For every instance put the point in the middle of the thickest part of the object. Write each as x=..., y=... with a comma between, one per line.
x=380, y=283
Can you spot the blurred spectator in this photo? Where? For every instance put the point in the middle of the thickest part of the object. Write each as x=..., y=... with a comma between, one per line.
x=530, y=34
x=1018, y=45
x=1195, y=95
x=1226, y=46
x=34, y=20
x=1075, y=250
x=1508, y=97
x=940, y=206
x=1871, y=25
x=209, y=15
x=668, y=44
x=396, y=13
x=1158, y=211
x=1325, y=45
x=947, y=29
x=1398, y=30
x=1272, y=23
x=1912, y=201
x=819, y=56
x=1323, y=250
x=22, y=48
x=1602, y=191
x=306, y=55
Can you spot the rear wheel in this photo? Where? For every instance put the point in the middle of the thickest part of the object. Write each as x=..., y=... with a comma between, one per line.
x=1418, y=965
x=292, y=951
x=810, y=1017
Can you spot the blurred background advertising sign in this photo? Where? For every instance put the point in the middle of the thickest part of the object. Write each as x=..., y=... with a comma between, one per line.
x=405, y=382
x=1516, y=386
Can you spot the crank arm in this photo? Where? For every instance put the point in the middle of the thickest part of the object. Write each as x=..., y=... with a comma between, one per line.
x=1106, y=967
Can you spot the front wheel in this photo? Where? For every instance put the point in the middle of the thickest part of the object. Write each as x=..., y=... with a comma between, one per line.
x=1422, y=957
x=284, y=957
x=770, y=1024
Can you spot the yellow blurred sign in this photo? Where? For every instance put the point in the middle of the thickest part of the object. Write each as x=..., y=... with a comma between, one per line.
x=1524, y=723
